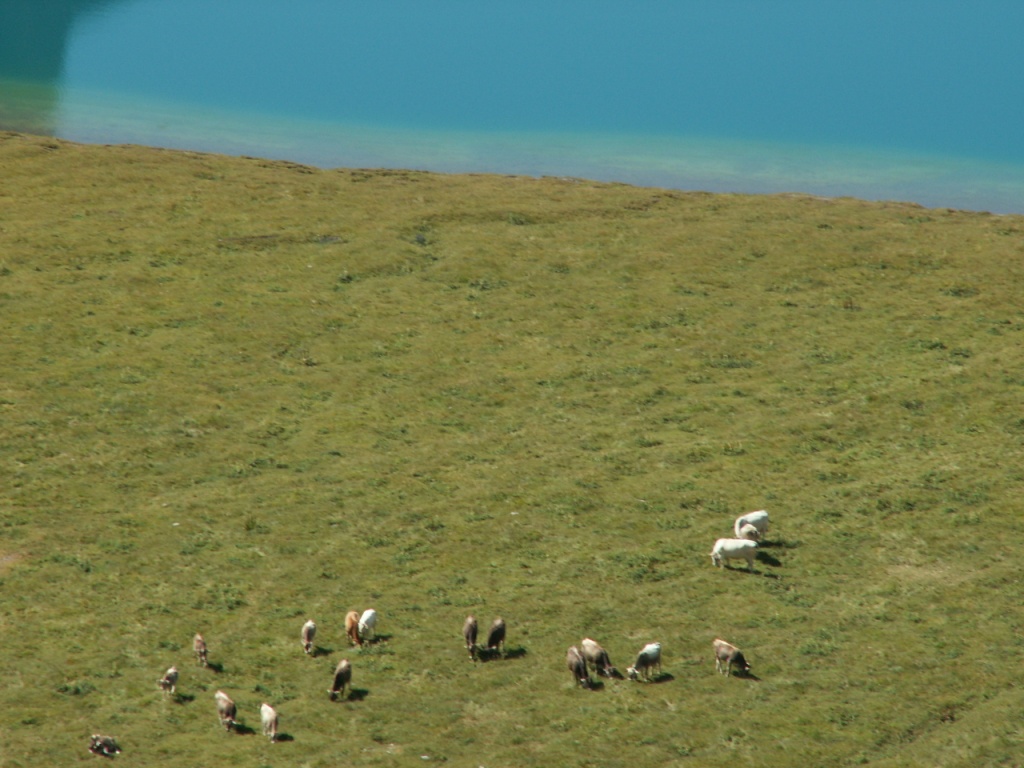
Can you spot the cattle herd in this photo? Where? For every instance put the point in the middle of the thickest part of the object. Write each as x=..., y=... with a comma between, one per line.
x=749, y=529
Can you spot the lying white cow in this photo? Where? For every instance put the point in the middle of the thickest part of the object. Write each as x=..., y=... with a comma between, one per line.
x=734, y=549
x=757, y=519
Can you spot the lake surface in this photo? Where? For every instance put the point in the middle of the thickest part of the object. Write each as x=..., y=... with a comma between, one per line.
x=919, y=100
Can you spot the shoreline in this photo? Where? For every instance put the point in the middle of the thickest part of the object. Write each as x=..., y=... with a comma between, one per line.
x=453, y=165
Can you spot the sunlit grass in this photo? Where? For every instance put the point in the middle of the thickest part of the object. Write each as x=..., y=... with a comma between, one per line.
x=239, y=394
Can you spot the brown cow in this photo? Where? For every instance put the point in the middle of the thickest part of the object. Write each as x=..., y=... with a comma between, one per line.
x=496, y=636
x=169, y=680
x=342, y=678
x=469, y=632
x=308, y=633
x=352, y=627
x=199, y=649
x=226, y=710
x=726, y=655
x=577, y=666
x=597, y=657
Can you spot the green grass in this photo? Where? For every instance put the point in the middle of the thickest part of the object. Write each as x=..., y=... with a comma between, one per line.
x=237, y=394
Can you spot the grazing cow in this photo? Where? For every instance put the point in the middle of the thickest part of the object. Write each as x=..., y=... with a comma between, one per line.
x=308, y=633
x=496, y=636
x=226, y=710
x=577, y=666
x=103, y=745
x=734, y=549
x=169, y=680
x=597, y=657
x=342, y=678
x=648, y=658
x=726, y=655
x=199, y=649
x=352, y=627
x=268, y=718
x=749, y=532
x=368, y=625
x=757, y=519
x=469, y=632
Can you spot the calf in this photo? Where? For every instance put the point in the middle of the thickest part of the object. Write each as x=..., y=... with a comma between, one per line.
x=308, y=633
x=342, y=678
x=352, y=627
x=199, y=649
x=103, y=745
x=469, y=632
x=734, y=549
x=496, y=636
x=368, y=625
x=757, y=519
x=577, y=666
x=169, y=680
x=598, y=658
x=648, y=658
x=268, y=719
x=226, y=710
x=726, y=655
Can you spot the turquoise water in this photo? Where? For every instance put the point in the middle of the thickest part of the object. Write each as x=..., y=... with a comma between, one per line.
x=919, y=100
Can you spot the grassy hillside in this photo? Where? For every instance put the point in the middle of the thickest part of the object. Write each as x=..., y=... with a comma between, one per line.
x=238, y=394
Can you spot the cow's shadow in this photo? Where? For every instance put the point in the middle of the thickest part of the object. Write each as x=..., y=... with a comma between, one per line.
x=284, y=737
x=357, y=694
x=243, y=730
x=183, y=698
x=215, y=666
x=777, y=544
x=493, y=654
x=319, y=651
x=661, y=677
x=768, y=559
x=740, y=569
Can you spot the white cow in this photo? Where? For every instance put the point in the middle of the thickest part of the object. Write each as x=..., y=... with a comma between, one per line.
x=168, y=682
x=268, y=718
x=734, y=549
x=757, y=519
x=308, y=633
x=367, y=624
x=648, y=658
x=749, y=532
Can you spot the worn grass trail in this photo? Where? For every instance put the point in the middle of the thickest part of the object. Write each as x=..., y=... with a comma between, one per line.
x=238, y=394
